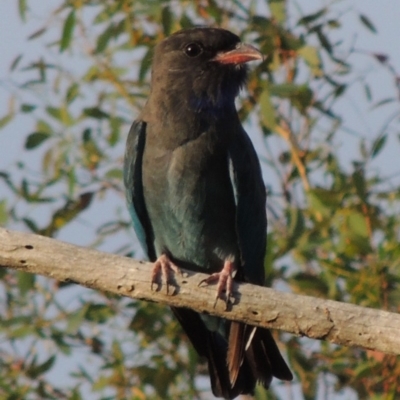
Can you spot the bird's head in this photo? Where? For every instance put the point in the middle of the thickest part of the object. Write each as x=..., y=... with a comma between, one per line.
x=202, y=67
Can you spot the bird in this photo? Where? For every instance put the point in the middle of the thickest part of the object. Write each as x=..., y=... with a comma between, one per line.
x=197, y=199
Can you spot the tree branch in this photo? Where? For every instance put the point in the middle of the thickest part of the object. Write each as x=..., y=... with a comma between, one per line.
x=336, y=322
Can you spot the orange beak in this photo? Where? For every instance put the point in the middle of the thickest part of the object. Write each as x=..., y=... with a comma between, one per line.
x=243, y=53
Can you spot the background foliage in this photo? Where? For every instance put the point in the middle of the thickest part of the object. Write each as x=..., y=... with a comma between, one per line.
x=333, y=212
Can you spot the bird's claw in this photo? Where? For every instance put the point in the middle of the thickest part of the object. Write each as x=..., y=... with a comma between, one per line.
x=224, y=282
x=164, y=270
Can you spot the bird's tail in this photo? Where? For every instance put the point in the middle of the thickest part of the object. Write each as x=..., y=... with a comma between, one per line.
x=249, y=355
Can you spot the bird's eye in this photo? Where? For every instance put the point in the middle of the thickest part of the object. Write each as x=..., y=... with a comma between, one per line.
x=193, y=50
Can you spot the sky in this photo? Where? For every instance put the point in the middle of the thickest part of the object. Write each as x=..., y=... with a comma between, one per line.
x=359, y=117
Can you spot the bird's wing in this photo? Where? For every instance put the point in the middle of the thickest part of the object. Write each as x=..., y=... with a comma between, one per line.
x=134, y=187
x=250, y=196
x=251, y=226
x=258, y=346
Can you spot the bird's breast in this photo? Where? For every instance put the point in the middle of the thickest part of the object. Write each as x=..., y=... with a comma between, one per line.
x=190, y=201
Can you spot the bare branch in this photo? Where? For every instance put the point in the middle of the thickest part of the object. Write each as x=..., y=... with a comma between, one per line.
x=336, y=322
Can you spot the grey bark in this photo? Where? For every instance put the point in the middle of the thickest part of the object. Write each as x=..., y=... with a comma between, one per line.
x=339, y=323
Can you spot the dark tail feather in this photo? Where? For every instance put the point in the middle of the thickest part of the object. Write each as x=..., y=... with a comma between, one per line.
x=259, y=362
x=217, y=367
x=210, y=345
x=214, y=347
x=234, y=369
x=236, y=344
x=266, y=360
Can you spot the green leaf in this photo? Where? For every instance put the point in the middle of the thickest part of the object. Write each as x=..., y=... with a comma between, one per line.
x=6, y=119
x=284, y=90
x=15, y=62
x=98, y=313
x=278, y=10
x=35, y=139
x=358, y=224
x=101, y=383
x=325, y=42
x=65, y=116
x=339, y=90
x=3, y=212
x=186, y=22
x=75, y=320
x=146, y=64
x=115, y=132
x=377, y=146
x=383, y=102
x=166, y=20
x=92, y=74
x=296, y=223
x=59, y=339
x=290, y=41
x=363, y=149
x=87, y=135
x=364, y=369
x=324, y=201
x=26, y=282
x=55, y=112
x=367, y=23
x=115, y=173
x=368, y=92
x=300, y=95
x=72, y=93
x=22, y=8
x=95, y=112
x=104, y=38
x=16, y=321
x=67, y=213
x=34, y=371
x=31, y=224
x=268, y=115
x=22, y=331
x=310, y=284
x=312, y=17
x=312, y=58
x=68, y=31
x=359, y=183
x=43, y=126
x=334, y=23
x=27, y=108
x=37, y=33
x=353, y=239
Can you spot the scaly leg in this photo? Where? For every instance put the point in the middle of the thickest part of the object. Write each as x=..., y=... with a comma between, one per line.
x=224, y=281
x=164, y=270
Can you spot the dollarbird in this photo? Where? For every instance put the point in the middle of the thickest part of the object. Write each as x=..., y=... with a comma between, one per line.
x=197, y=199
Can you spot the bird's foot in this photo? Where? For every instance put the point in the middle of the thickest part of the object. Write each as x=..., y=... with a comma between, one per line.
x=224, y=280
x=164, y=270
